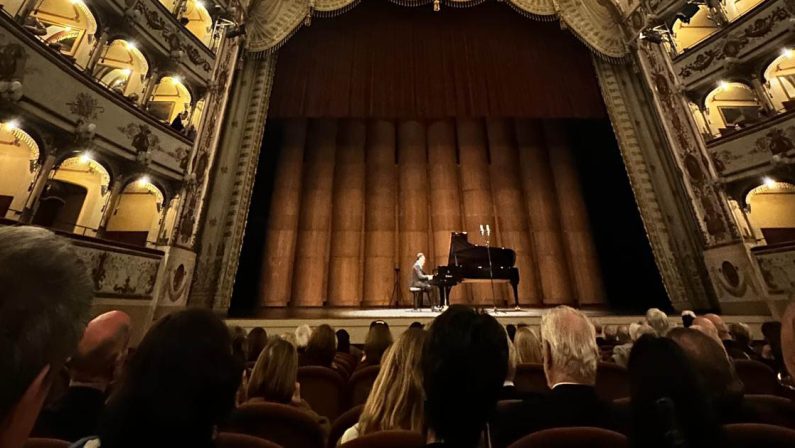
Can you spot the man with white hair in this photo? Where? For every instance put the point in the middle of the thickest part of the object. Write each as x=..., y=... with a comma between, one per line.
x=658, y=320
x=570, y=359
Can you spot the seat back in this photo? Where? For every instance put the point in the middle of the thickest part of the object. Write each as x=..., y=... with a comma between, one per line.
x=35, y=442
x=342, y=423
x=361, y=383
x=530, y=378
x=233, y=440
x=772, y=409
x=612, y=381
x=323, y=389
x=279, y=423
x=758, y=378
x=753, y=435
x=572, y=438
x=388, y=439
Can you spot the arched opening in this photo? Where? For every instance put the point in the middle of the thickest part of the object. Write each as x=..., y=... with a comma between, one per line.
x=199, y=21
x=700, y=27
x=19, y=161
x=730, y=107
x=81, y=183
x=68, y=26
x=170, y=99
x=771, y=211
x=136, y=218
x=122, y=68
x=780, y=80
x=736, y=8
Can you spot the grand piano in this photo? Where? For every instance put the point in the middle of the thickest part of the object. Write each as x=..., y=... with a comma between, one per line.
x=469, y=263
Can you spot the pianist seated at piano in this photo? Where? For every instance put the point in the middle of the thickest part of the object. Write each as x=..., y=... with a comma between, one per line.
x=419, y=279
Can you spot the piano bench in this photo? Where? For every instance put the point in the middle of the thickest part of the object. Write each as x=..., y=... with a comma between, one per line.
x=418, y=293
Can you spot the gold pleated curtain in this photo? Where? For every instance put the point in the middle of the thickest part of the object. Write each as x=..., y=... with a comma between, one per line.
x=355, y=200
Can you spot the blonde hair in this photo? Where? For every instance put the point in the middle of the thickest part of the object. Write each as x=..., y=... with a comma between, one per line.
x=397, y=398
x=528, y=346
x=275, y=372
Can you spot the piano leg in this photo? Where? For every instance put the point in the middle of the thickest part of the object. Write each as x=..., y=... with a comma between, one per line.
x=515, y=286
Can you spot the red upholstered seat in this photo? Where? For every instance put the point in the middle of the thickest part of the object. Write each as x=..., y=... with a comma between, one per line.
x=753, y=435
x=758, y=378
x=530, y=379
x=323, y=389
x=572, y=438
x=612, y=381
x=233, y=440
x=34, y=442
x=360, y=384
x=388, y=439
x=279, y=423
x=342, y=423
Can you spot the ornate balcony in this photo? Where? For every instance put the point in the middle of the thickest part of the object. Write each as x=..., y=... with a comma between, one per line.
x=777, y=266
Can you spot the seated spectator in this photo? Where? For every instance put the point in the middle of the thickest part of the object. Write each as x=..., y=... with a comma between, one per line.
x=417, y=325
x=180, y=384
x=378, y=339
x=92, y=370
x=622, y=334
x=46, y=294
x=600, y=339
x=344, y=344
x=570, y=360
x=611, y=334
x=463, y=368
x=687, y=318
x=705, y=326
x=508, y=391
x=658, y=320
x=636, y=331
x=274, y=379
x=739, y=346
x=256, y=339
x=178, y=124
x=528, y=347
x=511, y=330
x=320, y=349
x=396, y=400
x=669, y=404
x=302, y=335
x=771, y=352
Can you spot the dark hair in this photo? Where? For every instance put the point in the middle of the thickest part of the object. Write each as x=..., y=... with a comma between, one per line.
x=511, y=330
x=44, y=305
x=464, y=364
x=378, y=339
x=669, y=404
x=417, y=325
x=256, y=340
x=771, y=331
x=687, y=320
x=181, y=382
x=343, y=341
x=322, y=346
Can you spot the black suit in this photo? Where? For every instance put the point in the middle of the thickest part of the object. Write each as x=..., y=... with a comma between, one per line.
x=72, y=417
x=565, y=405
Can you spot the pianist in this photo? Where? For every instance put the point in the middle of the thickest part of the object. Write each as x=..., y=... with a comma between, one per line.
x=419, y=279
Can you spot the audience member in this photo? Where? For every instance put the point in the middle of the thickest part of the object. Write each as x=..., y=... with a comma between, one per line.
x=274, y=379
x=705, y=326
x=178, y=124
x=256, y=339
x=344, y=344
x=509, y=391
x=396, y=399
x=321, y=348
x=739, y=346
x=378, y=339
x=669, y=405
x=687, y=318
x=622, y=334
x=611, y=334
x=528, y=346
x=463, y=367
x=417, y=325
x=239, y=347
x=95, y=366
x=180, y=384
x=788, y=340
x=658, y=320
x=511, y=330
x=771, y=352
x=720, y=326
x=46, y=294
x=302, y=335
x=600, y=339
x=636, y=331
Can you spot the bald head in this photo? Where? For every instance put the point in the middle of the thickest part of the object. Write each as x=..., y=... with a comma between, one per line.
x=710, y=361
x=788, y=337
x=102, y=349
x=720, y=326
x=705, y=326
x=569, y=347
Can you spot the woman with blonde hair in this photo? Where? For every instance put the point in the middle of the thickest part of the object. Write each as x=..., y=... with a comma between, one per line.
x=528, y=346
x=397, y=398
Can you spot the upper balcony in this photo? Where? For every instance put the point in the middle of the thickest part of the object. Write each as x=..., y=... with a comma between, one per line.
x=777, y=266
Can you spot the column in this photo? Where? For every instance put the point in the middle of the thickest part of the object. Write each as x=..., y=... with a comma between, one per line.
x=577, y=238
x=96, y=53
x=151, y=83
x=41, y=181
x=345, y=276
x=314, y=223
x=380, y=216
x=110, y=205
x=542, y=206
x=278, y=255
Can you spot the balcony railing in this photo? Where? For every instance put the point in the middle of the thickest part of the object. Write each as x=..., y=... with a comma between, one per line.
x=777, y=266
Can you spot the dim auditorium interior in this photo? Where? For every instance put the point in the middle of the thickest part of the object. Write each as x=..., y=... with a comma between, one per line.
x=397, y=223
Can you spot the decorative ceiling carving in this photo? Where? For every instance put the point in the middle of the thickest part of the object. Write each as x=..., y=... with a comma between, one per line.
x=595, y=22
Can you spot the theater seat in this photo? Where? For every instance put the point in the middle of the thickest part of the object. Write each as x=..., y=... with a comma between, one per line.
x=388, y=439
x=360, y=384
x=34, y=442
x=323, y=389
x=279, y=423
x=772, y=409
x=342, y=423
x=753, y=435
x=232, y=440
x=530, y=379
x=612, y=381
x=758, y=378
x=572, y=438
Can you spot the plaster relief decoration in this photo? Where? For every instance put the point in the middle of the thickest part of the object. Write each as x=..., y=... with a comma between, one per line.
x=178, y=276
x=755, y=149
x=777, y=266
x=118, y=273
x=147, y=144
x=732, y=274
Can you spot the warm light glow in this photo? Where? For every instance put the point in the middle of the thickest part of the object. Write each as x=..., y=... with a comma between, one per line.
x=143, y=181
x=131, y=45
x=85, y=157
x=176, y=79
x=67, y=28
x=126, y=72
x=11, y=125
x=723, y=85
x=787, y=52
x=200, y=5
x=76, y=2
x=769, y=182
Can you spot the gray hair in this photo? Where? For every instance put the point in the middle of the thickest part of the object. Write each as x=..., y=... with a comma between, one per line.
x=302, y=335
x=571, y=339
x=658, y=321
x=44, y=306
x=637, y=330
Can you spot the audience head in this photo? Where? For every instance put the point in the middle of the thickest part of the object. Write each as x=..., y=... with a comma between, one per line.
x=464, y=367
x=46, y=294
x=637, y=330
x=289, y=337
x=741, y=333
x=396, y=399
x=302, y=335
x=343, y=341
x=528, y=346
x=511, y=330
x=772, y=334
x=788, y=338
x=709, y=359
x=256, y=340
x=687, y=318
x=275, y=372
x=378, y=339
x=417, y=326
x=569, y=347
x=669, y=404
x=657, y=320
x=510, y=375
x=598, y=329
x=705, y=326
x=102, y=351
x=322, y=345
x=180, y=383
x=611, y=333
x=720, y=326
x=622, y=334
